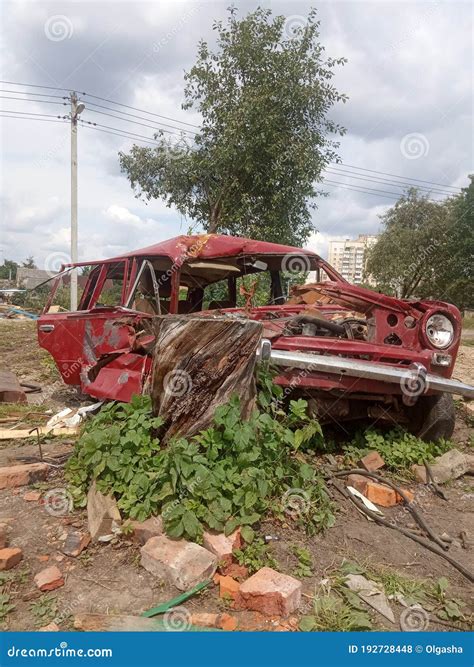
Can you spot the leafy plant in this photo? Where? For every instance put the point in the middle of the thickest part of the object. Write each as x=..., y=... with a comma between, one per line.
x=255, y=556
x=227, y=476
x=332, y=613
x=399, y=449
x=305, y=562
x=44, y=610
x=5, y=606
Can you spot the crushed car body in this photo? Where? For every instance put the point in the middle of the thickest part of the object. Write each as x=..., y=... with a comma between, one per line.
x=351, y=352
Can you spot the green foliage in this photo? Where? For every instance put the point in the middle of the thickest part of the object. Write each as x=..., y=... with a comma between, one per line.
x=399, y=449
x=434, y=242
x=227, y=476
x=255, y=556
x=44, y=610
x=332, y=613
x=264, y=97
x=305, y=562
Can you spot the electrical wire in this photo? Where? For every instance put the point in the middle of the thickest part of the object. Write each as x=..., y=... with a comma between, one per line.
x=134, y=122
x=93, y=126
x=408, y=178
x=404, y=180
x=21, y=92
x=369, y=191
x=20, y=99
x=386, y=181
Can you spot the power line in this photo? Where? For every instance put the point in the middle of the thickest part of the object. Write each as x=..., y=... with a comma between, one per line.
x=116, y=129
x=32, y=85
x=150, y=113
x=385, y=181
x=117, y=134
x=134, y=122
x=21, y=99
x=29, y=113
x=408, y=178
x=357, y=188
x=175, y=120
x=103, y=99
x=21, y=92
x=55, y=119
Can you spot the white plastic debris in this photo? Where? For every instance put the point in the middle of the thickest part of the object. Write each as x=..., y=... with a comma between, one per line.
x=370, y=505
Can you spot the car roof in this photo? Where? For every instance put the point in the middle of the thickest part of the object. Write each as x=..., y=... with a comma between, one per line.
x=212, y=246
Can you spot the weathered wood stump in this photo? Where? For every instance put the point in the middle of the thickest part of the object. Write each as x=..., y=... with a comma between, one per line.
x=198, y=364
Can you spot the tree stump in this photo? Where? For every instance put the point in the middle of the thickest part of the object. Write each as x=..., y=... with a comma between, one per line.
x=198, y=364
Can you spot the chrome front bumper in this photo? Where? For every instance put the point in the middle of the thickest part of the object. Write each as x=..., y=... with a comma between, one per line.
x=413, y=381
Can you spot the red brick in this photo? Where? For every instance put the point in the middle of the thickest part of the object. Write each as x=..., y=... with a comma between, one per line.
x=10, y=557
x=205, y=620
x=43, y=558
x=228, y=588
x=381, y=494
x=359, y=482
x=372, y=461
x=22, y=475
x=270, y=593
x=222, y=545
x=145, y=530
x=49, y=579
x=32, y=496
x=183, y=563
x=227, y=622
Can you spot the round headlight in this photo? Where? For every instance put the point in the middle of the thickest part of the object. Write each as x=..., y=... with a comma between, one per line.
x=439, y=330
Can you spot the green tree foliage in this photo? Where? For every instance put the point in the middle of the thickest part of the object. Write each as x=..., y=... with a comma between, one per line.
x=456, y=280
x=8, y=270
x=410, y=251
x=264, y=96
x=426, y=248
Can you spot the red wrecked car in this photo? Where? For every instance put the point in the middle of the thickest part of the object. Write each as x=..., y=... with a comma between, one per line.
x=351, y=352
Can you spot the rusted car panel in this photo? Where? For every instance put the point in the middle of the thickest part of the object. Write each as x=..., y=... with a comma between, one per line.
x=106, y=348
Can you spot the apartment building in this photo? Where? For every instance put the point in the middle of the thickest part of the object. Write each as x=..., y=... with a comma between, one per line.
x=349, y=257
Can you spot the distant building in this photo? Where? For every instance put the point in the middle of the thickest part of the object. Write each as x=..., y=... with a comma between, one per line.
x=350, y=257
x=30, y=278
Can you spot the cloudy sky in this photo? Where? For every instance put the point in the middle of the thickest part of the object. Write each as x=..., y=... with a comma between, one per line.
x=409, y=111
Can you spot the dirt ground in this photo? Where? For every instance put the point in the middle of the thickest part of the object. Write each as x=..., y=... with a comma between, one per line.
x=107, y=578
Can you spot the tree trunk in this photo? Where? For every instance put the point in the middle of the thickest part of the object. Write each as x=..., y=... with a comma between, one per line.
x=198, y=364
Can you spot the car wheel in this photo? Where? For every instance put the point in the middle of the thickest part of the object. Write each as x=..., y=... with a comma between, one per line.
x=435, y=417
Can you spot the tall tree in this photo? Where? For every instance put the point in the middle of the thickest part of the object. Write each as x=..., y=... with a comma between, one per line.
x=264, y=95
x=456, y=280
x=408, y=256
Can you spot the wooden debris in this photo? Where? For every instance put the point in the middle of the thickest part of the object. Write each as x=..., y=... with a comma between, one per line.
x=199, y=363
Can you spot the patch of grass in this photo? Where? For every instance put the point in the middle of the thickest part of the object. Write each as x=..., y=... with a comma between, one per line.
x=44, y=610
x=305, y=562
x=255, y=556
x=12, y=579
x=400, y=450
x=432, y=596
x=334, y=613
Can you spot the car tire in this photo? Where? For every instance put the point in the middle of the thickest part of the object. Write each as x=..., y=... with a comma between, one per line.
x=435, y=417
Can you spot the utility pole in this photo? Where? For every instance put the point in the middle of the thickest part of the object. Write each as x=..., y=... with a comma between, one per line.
x=76, y=109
